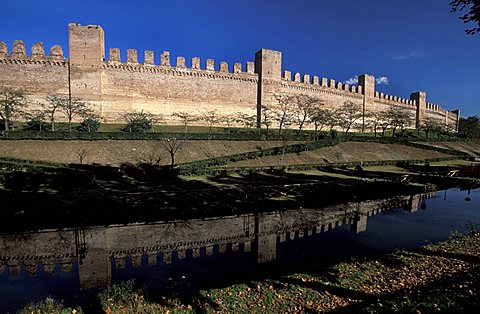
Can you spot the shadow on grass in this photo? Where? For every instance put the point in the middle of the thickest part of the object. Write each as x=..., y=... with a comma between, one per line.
x=87, y=195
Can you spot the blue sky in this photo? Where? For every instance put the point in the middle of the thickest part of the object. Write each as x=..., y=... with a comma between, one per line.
x=411, y=44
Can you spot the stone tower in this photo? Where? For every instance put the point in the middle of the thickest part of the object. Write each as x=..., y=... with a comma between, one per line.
x=420, y=99
x=268, y=66
x=367, y=82
x=87, y=52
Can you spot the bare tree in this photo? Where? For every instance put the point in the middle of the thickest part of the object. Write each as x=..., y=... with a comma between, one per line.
x=349, y=113
x=81, y=154
x=284, y=109
x=156, y=119
x=172, y=145
x=12, y=102
x=153, y=155
x=186, y=119
x=54, y=104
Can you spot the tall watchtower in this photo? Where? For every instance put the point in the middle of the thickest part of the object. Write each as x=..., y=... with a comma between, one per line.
x=268, y=66
x=86, y=54
x=367, y=82
x=420, y=99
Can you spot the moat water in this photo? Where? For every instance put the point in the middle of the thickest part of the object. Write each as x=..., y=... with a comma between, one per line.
x=179, y=258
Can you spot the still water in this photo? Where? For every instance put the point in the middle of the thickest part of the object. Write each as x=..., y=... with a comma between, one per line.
x=181, y=257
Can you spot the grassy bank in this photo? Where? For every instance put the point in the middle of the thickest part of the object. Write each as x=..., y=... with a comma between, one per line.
x=443, y=277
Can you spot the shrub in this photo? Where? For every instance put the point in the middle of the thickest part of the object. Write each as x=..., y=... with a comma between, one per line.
x=89, y=125
x=49, y=305
x=138, y=122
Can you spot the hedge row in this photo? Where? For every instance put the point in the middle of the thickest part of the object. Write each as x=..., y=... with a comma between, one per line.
x=304, y=167
x=223, y=160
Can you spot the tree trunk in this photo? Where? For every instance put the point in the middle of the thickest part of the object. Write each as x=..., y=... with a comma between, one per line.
x=52, y=120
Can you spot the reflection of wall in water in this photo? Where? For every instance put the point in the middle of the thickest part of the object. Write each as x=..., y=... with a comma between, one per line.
x=93, y=248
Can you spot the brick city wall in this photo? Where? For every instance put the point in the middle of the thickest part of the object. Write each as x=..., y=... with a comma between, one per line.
x=114, y=87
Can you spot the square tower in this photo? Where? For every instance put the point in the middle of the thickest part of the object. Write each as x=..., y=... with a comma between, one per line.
x=86, y=55
x=268, y=66
x=86, y=45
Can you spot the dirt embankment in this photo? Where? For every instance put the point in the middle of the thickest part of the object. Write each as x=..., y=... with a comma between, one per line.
x=471, y=148
x=344, y=152
x=118, y=152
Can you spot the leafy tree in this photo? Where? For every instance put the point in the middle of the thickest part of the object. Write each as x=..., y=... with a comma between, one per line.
x=137, y=121
x=54, y=104
x=35, y=120
x=399, y=118
x=247, y=120
x=349, y=113
x=12, y=102
x=319, y=117
x=305, y=104
x=332, y=119
x=186, y=119
x=472, y=16
x=89, y=124
x=211, y=117
x=469, y=127
x=74, y=108
x=431, y=125
x=377, y=119
x=284, y=111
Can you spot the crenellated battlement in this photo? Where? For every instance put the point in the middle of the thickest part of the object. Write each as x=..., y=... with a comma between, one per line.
x=114, y=58
x=124, y=81
x=393, y=100
x=321, y=86
x=37, y=52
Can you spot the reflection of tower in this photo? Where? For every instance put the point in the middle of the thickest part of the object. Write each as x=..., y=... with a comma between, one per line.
x=413, y=203
x=359, y=223
x=94, y=267
x=80, y=246
x=266, y=239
